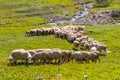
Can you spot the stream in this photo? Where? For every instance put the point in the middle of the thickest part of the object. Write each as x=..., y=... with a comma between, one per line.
x=79, y=14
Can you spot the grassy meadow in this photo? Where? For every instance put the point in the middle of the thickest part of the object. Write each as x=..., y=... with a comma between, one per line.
x=14, y=37
x=16, y=19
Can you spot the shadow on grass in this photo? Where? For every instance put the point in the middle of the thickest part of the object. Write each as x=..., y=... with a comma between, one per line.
x=28, y=64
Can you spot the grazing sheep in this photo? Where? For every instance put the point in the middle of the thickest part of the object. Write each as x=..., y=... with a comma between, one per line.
x=101, y=48
x=76, y=45
x=63, y=34
x=27, y=33
x=42, y=56
x=71, y=37
x=93, y=48
x=86, y=46
x=36, y=57
x=56, y=55
x=41, y=50
x=65, y=55
x=94, y=56
x=79, y=39
x=32, y=32
x=32, y=52
x=20, y=54
x=39, y=32
x=79, y=35
x=57, y=34
x=79, y=56
x=10, y=59
x=73, y=56
x=81, y=28
x=82, y=56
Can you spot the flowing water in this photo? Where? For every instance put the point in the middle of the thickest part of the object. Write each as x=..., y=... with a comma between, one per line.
x=79, y=14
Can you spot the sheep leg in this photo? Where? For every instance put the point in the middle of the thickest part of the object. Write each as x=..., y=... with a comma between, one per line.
x=43, y=61
x=15, y=62
x=26, y=62
x=35, y=61
x=87, y=60
x=66, y=60
x=59, y=61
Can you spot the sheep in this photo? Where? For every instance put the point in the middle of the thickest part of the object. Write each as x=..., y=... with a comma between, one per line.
x=86, y=46
x=82, y=56
x=93, y=48
x=52, y=31
x=76, y=45
x=79, y=56
x=53, y=54
x=56, y=55
x=79, y=35
x=20, y=54
x=42, y=56
x=41, y=50
x=27, y=33
x=32, y=52
x=36, y=57
x=81, y=28
x=39, y=32
x=90, y=39
x=82, y=38
x=10, y=59
x=94, y=56
x=101, y=48
x=32, y=32
x=65, y=55
x=73, y=56
x=55, y=28
x=71, y=37
x=57, y=34
x=63, y=34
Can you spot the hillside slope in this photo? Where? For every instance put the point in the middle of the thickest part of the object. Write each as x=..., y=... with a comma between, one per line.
x=19, y=16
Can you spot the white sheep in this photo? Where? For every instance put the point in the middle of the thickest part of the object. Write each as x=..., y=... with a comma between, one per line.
x=20, y=54
x=42, y=56
x=76, y=45
x=94, y=56
x=56, y=55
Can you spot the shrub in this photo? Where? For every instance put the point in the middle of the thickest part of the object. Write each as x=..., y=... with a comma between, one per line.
x=101, y=3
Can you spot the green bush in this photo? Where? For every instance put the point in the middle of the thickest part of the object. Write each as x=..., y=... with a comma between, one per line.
x=101, y=3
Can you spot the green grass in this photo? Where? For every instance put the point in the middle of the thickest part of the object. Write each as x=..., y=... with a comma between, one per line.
x=113, y=5
x=22, y=13
x=14, y=22
x=13, y=38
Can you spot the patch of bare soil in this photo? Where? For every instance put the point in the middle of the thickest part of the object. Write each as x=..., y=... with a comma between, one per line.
x=99, y=17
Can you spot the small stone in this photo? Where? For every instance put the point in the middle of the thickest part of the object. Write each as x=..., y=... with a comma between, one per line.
x=39, y=78
x=85, y=76
x=59, y=75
